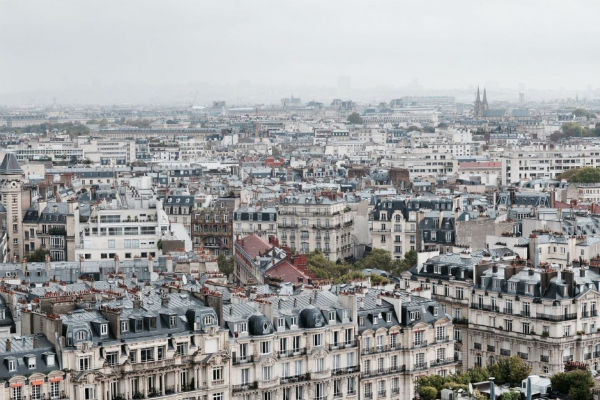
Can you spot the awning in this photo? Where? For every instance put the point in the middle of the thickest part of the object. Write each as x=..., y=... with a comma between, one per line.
x=37, y=382
x=16, y=384
x=55, y=379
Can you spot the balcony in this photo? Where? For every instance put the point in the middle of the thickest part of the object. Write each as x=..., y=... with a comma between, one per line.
x=244, y=387
x=342, y=345
x=442, y=361
x=368, y=395
x=294, y=379
x=347, y=370
x=557, y=317
x=291, y=353
x=442, y=339
x=381, y=393
x=420, y=366
x=588, y=314
x=422, y=343
x=484, y=307
x=460, y=321
x=320, y=374
x=268, y=383
x=381, y=372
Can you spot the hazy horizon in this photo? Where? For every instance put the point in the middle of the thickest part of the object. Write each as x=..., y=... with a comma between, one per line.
x=248, y=51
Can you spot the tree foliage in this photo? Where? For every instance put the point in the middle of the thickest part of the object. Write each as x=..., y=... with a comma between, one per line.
x=428, y=392
x=38, y=255
x=573, y=129
x=355, y=118
x=581, y=112
x=511, y=396
x=319, y=265
x=70, y=128
x=581, y=175
x=225, y=264
x=564, y=381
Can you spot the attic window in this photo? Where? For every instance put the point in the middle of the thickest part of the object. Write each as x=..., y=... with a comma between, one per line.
x=388, y=317
x=242, y=327
x=104, y=329
x=375, y=319
x=12, y=365
x=124, y=326
x=172, y=321
x=414, y=315
x=31, y=362
x=82, y=335
x=50, y=359
x=332, y=315
x=294, y=320
x=209, y=320
x=435, y=311
x=280, y=323
x=361, y=321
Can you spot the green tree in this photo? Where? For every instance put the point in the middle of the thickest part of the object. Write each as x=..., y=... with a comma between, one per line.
x=428, y=392
x=518, y=370
x=580, y=393
x=355, y=119
x=409, y=260
x=319, y=265
x=377, y=259
x=581, y=175
x=511, y=396
x=225, y=264
x=564, y=381
x=275, y=152
x=378, y=280
x=38, y=255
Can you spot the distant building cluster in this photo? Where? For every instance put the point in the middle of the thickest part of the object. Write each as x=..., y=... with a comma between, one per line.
x=169, y=252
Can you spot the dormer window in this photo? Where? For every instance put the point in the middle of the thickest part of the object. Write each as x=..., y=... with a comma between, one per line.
x=104, y=329
x=172, y=321
x=435, y=311
x=332, y=315
x=242, y=327
x=361, y=321
x=436, y=268
x=375, y=320
x=294, y=321
x=31, y=362
x=383, y=216
x=414, y=315
x=81, y=335
x=12, y=365
x=388, y=317
x=209, y=320
x=124, y=326
x=50, y=359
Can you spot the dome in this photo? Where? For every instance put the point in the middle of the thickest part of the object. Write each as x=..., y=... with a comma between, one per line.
x=311, y=317
x=259, y=325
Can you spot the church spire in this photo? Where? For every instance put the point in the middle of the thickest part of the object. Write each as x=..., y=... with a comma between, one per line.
x=477, y=111
x=484, y=103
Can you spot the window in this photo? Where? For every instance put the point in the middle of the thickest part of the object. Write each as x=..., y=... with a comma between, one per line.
x=161, y=352
x=245, y=376
x=218, y=396
x=16, y=393
x=104, y=329
x=351, y=385
x=414, y=315
x=209, y=319
x=296, y=343
x=181, y=349
x=525, y=328
x=243, y=351
x=508, y=325
x=317, y=339
x=147, y=354
x=280, y=323
x=266, y=372
x=84, y=363
x=265, y=347
x=54, y=389
x=172, y=321
x=217, y=373
x=124, y=326
x=319, y=364
x=81, y=335
x=418, y=338
x=112, y=358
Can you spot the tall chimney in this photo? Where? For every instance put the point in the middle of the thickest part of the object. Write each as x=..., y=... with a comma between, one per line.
x=117, y=264
x=48, y=269
x=24, y=265
x=8, y=345
x=169, y=264
x=150, y=264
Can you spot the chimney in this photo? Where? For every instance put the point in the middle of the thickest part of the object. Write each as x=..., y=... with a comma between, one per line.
x=378, y=301
x=117, y=264
x=137, y=301
x=150, y=263
x=8, y=345
x=169, y=264
x=478, y=271
x=35, y=342
x=48, y=269
x=569, y=277
x=582, y=271
x=24, y=265
x=164, y=300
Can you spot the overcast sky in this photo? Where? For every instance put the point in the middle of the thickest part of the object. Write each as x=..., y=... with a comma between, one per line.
x=130, y=50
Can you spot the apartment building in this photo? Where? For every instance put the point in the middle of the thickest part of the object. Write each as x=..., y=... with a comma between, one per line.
x=11, y=191
x=322, y=222
x=260, y=221
x=292, y=347
x=212, y=226
x=116, y=229
x=53, y=227
x=394, y=227
x=178, y=207
x=31, y=369
x=165, y=345
x=401, y=337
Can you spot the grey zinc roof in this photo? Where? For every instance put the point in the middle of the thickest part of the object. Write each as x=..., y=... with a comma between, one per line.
x=10, y=165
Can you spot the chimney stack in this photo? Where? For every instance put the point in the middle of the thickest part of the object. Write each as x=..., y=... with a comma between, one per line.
x=164, y=300
x=8, y=345
x=117, y=264
x=48, y=269
x=169, y=264
x=35, y=342
x=24, y=266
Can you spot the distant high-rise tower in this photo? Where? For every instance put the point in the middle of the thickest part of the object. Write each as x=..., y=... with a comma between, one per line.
x=11, y=184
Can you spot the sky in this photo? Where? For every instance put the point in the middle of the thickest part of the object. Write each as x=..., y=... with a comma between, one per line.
x=115, y=51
